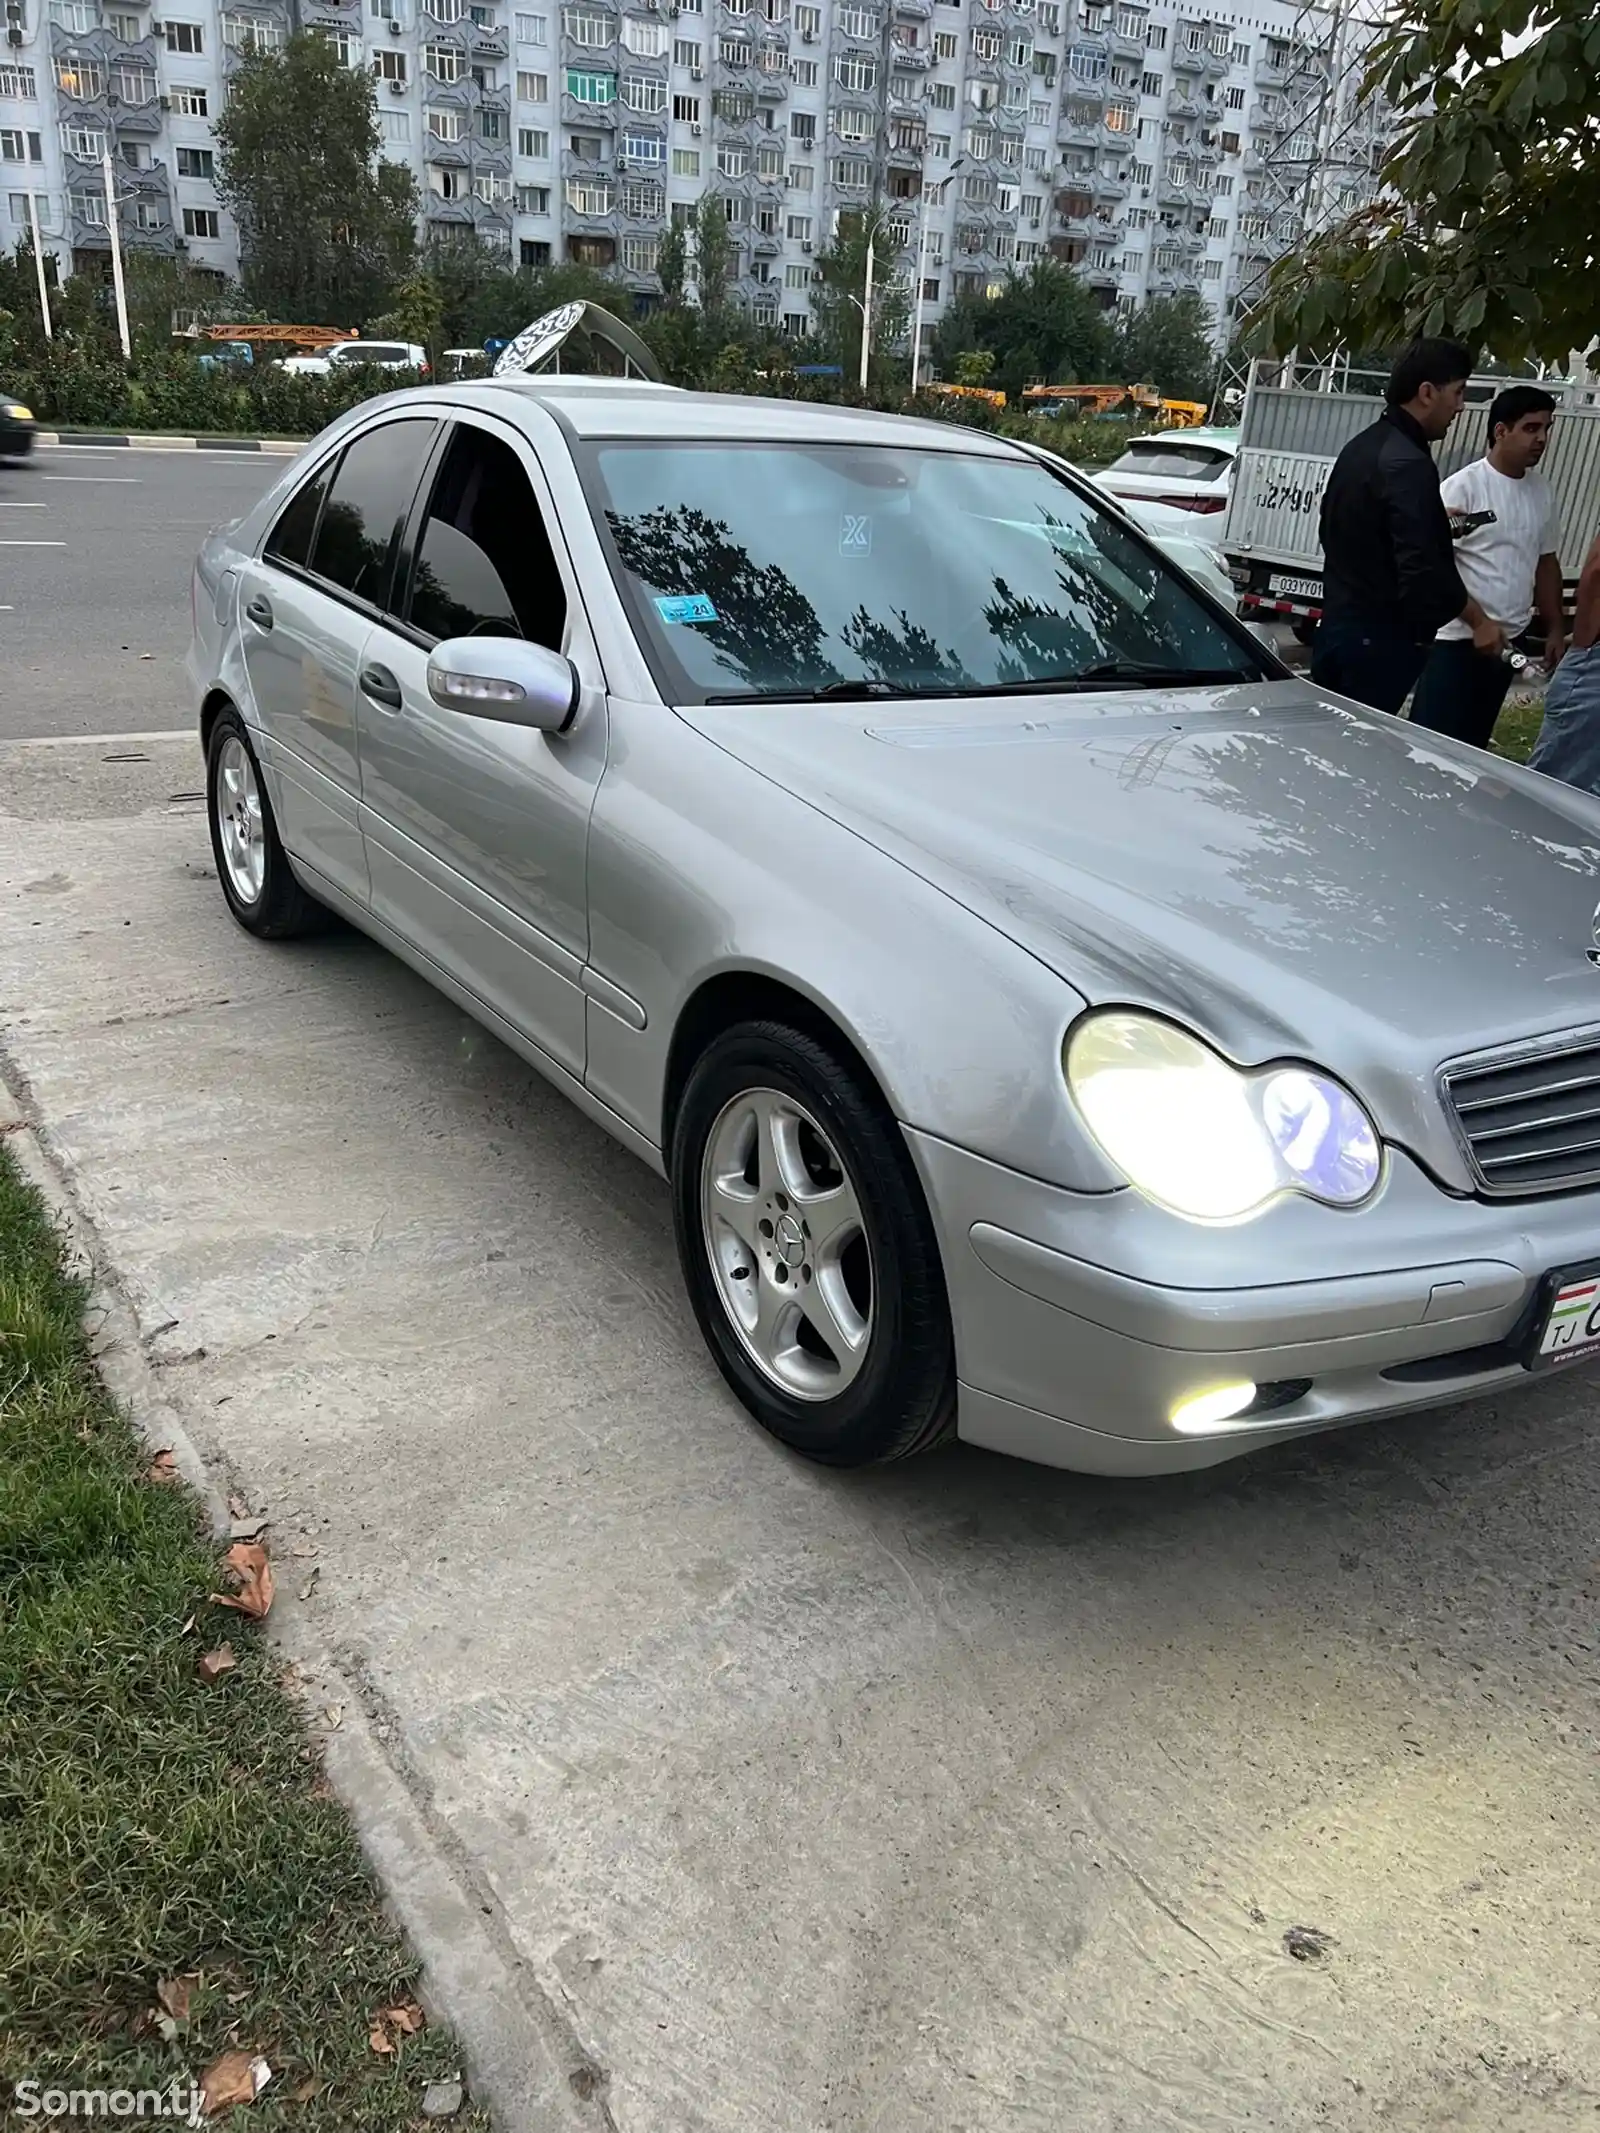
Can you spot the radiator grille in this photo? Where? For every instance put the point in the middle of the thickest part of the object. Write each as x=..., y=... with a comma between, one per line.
x=1530, y=1120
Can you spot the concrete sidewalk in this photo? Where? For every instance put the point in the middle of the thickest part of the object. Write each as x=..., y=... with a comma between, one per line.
x=952, y=1798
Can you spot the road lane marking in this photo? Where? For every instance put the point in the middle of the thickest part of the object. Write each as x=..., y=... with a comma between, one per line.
x=135, y=479
x=21, y=507
x=32, y=544
x=104, y=740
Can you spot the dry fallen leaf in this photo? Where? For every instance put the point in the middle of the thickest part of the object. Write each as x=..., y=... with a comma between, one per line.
x=213, y=1665
x=162, y=1468
x=247, y=1563
x=175, y=1995
x=237, y=2077
x=390, y=2024
x=308, y=2088
x=188, y=1625
x=310, y=1585
x=333, y=1714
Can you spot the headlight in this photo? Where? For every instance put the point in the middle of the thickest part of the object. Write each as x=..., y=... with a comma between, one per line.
x=1206, y=1140
x=17, y=412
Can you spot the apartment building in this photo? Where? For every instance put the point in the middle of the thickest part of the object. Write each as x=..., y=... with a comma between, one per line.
x=1152, y=147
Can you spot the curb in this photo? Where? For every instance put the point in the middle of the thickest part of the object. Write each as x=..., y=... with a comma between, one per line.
x=277, y=447
x=522, y=2055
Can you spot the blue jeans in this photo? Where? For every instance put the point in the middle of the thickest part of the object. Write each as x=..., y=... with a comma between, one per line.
x=1461, y=692
x=1374, y=662
x=1568, y=746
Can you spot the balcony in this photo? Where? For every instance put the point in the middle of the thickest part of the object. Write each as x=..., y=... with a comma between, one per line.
x=1189, y=59
x=772, y=88
x=489, y=44
x=590, y=117
x=1270, y=74
x=1108, y=188
x=913, y=10
x=1079, y=133
x=1264, y=118
x=918, y=57
x=1181, y=105
x=449, y=155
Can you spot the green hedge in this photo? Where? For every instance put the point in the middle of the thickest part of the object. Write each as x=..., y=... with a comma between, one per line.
x=72, y=389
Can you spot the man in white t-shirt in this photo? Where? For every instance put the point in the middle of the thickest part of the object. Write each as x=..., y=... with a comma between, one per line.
x=1507, y=534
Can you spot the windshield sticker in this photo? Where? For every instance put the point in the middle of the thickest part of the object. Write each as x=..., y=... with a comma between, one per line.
x=855, y=534
x=685, y=607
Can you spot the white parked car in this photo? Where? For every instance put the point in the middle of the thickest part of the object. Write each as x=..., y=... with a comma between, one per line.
x=1188, y=470
x=377, y=355
x=1180, y=541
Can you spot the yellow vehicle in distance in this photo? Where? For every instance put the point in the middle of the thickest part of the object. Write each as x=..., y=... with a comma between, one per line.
x=1094, y=400
x=969, y=392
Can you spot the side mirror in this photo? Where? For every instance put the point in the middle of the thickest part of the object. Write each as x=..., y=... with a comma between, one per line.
x=505, y=679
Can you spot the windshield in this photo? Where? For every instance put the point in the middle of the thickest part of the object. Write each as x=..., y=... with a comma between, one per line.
x=789, y=570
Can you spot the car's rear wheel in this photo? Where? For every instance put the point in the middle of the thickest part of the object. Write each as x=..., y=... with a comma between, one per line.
x=252, y=865
x=807, y=1249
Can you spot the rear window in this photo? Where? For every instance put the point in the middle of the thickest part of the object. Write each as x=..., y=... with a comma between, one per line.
x=1176, y=461
x=373, y=352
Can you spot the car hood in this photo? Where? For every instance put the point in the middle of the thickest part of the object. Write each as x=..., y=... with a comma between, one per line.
x=1288, y=872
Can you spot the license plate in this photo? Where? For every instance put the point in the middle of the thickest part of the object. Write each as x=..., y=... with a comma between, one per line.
x=1305, y=588
x=1569, y=1330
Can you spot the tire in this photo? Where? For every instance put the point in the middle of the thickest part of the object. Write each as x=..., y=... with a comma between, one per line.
x=837, y=1339
x=252, y=865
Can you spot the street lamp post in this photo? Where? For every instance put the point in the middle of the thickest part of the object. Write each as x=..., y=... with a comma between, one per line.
x=116, y=258
x=866, y=310
x=922, y=269
x=38, y=266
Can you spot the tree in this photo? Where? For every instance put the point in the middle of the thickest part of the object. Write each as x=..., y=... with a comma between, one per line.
x=713, y=255
x=672, y=263
x=837, y=293
x=1485, y=225
x=325, y=227
x=1167, y=343
x=1044, y=328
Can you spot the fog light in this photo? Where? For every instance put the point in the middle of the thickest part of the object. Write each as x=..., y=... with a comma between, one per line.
x=1203, y=1410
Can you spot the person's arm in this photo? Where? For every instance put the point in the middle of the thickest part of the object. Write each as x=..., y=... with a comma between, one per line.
x=1429, y=583
x=1547, y=599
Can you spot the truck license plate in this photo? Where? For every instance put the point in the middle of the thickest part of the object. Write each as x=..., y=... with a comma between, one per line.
x=1571, y=1325
x=1303, y=588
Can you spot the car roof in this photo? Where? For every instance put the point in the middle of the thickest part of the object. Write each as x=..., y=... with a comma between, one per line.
x=636, y=408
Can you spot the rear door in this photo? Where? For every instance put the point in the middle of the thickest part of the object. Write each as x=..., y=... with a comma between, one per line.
x=306, y=605
x=477, y=833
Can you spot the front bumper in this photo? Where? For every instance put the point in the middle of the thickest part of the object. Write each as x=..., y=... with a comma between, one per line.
x=16, y=439
x=1084, y=1321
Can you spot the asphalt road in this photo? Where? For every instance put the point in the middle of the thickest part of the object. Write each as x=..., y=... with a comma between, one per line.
x=95, y=553
x=959, y=1797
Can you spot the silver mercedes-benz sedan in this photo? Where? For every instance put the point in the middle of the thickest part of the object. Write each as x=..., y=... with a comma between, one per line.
x=1058, y=1025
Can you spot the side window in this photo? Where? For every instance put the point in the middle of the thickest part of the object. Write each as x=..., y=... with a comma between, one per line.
x=484, y=566
x=290, y=539
x=369, y=497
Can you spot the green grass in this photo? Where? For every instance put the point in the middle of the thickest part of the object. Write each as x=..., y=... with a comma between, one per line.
x=1517, y=729
x=151, y=1827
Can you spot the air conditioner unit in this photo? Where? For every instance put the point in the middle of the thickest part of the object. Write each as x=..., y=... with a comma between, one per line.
x=697, y=129
x=397, y=88
x=394, y=28
x=807, y=246
x=13, y=33
x=808, y=36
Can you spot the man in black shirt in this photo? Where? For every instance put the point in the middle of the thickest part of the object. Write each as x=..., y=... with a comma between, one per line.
x=1390, y=581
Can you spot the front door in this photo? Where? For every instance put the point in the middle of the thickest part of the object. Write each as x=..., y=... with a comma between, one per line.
x=305, y=606
x=477, y=833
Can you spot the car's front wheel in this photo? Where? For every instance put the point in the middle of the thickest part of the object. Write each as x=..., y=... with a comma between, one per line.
x=252, y=864
x=807, y=1249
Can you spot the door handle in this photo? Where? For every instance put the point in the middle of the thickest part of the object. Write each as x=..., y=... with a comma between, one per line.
x=260, y=611
x=378, y=683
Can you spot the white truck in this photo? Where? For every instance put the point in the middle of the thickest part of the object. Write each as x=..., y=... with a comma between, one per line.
x=1292, y=429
